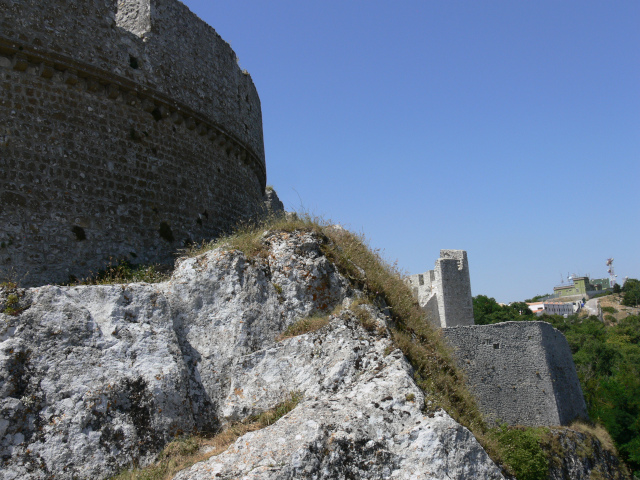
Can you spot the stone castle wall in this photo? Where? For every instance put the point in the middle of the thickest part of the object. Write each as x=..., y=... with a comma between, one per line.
x=521, y=372
x=127, y=129
x=445, y=292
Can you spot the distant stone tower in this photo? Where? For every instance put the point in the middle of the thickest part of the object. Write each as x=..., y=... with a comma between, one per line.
x=445, y=292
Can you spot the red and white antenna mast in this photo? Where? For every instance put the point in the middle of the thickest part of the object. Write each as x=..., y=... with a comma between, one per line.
x=612, y=275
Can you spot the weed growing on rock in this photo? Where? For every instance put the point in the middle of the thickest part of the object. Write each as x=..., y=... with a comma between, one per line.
x=363, y=314
x=304, y=325
x=248, y=237
x=10, y=299
x=11, y=305
x=597, y=431
x=125, y=272
x=182, y=453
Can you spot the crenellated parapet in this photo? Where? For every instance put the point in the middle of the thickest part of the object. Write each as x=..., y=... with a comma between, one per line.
x=444, y=293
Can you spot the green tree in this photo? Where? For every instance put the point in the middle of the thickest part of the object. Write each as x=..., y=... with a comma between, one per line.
x=631, y=292
x=537, y=298
x=487, y=311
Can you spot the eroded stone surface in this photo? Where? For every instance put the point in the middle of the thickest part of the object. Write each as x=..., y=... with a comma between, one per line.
x=360, y=417
x=577, y=456
x=94, y=378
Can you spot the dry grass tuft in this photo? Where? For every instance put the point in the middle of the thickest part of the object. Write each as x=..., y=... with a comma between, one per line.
x=184, y=452
x=248, y=237
x=363, y=314
x=304, y=325
x=120, y=272
x=597, y=431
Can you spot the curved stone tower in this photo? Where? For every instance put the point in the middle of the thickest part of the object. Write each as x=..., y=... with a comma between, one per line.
x=126, y=130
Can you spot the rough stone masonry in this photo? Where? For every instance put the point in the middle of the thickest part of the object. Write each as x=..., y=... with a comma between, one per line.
x=521, y=373
x=445, y=292
x=127, y=129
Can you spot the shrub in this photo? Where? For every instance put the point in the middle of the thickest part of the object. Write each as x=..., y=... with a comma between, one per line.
x=13, y=299
x=12, y=305
x=126, y=272
x=521, y=451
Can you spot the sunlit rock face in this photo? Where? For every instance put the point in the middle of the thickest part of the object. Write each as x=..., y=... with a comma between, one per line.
x=96, y=378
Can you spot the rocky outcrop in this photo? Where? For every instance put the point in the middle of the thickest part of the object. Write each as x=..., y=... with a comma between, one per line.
x=360, y=418
x=578, y=456
x=96, y=378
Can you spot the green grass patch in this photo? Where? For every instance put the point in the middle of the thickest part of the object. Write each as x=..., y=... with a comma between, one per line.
x=13, y=303
x=184, y=452
x=11, y=306
x=126, y=272
x=609, y=310
x=520, y=450
x=529, y=453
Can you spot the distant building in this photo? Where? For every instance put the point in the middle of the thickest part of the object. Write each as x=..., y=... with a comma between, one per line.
x=582, y=286
x=555, y=308
x=536, y=307
x=601, y=283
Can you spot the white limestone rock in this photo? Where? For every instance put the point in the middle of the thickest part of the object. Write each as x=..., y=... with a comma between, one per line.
x=95, y=378
x=360, y=417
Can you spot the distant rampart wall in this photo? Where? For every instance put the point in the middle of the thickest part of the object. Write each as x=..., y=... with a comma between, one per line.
x=522, y=373
x=127, y=130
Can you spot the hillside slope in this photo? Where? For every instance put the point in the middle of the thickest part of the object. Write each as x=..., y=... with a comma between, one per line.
x=99, y=378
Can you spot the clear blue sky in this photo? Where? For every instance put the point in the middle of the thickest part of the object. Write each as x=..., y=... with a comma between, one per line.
x=510, y=129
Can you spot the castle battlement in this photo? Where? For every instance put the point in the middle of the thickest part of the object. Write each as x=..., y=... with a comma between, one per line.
x=445, y=292
x=522, y=373
x=127, y=129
